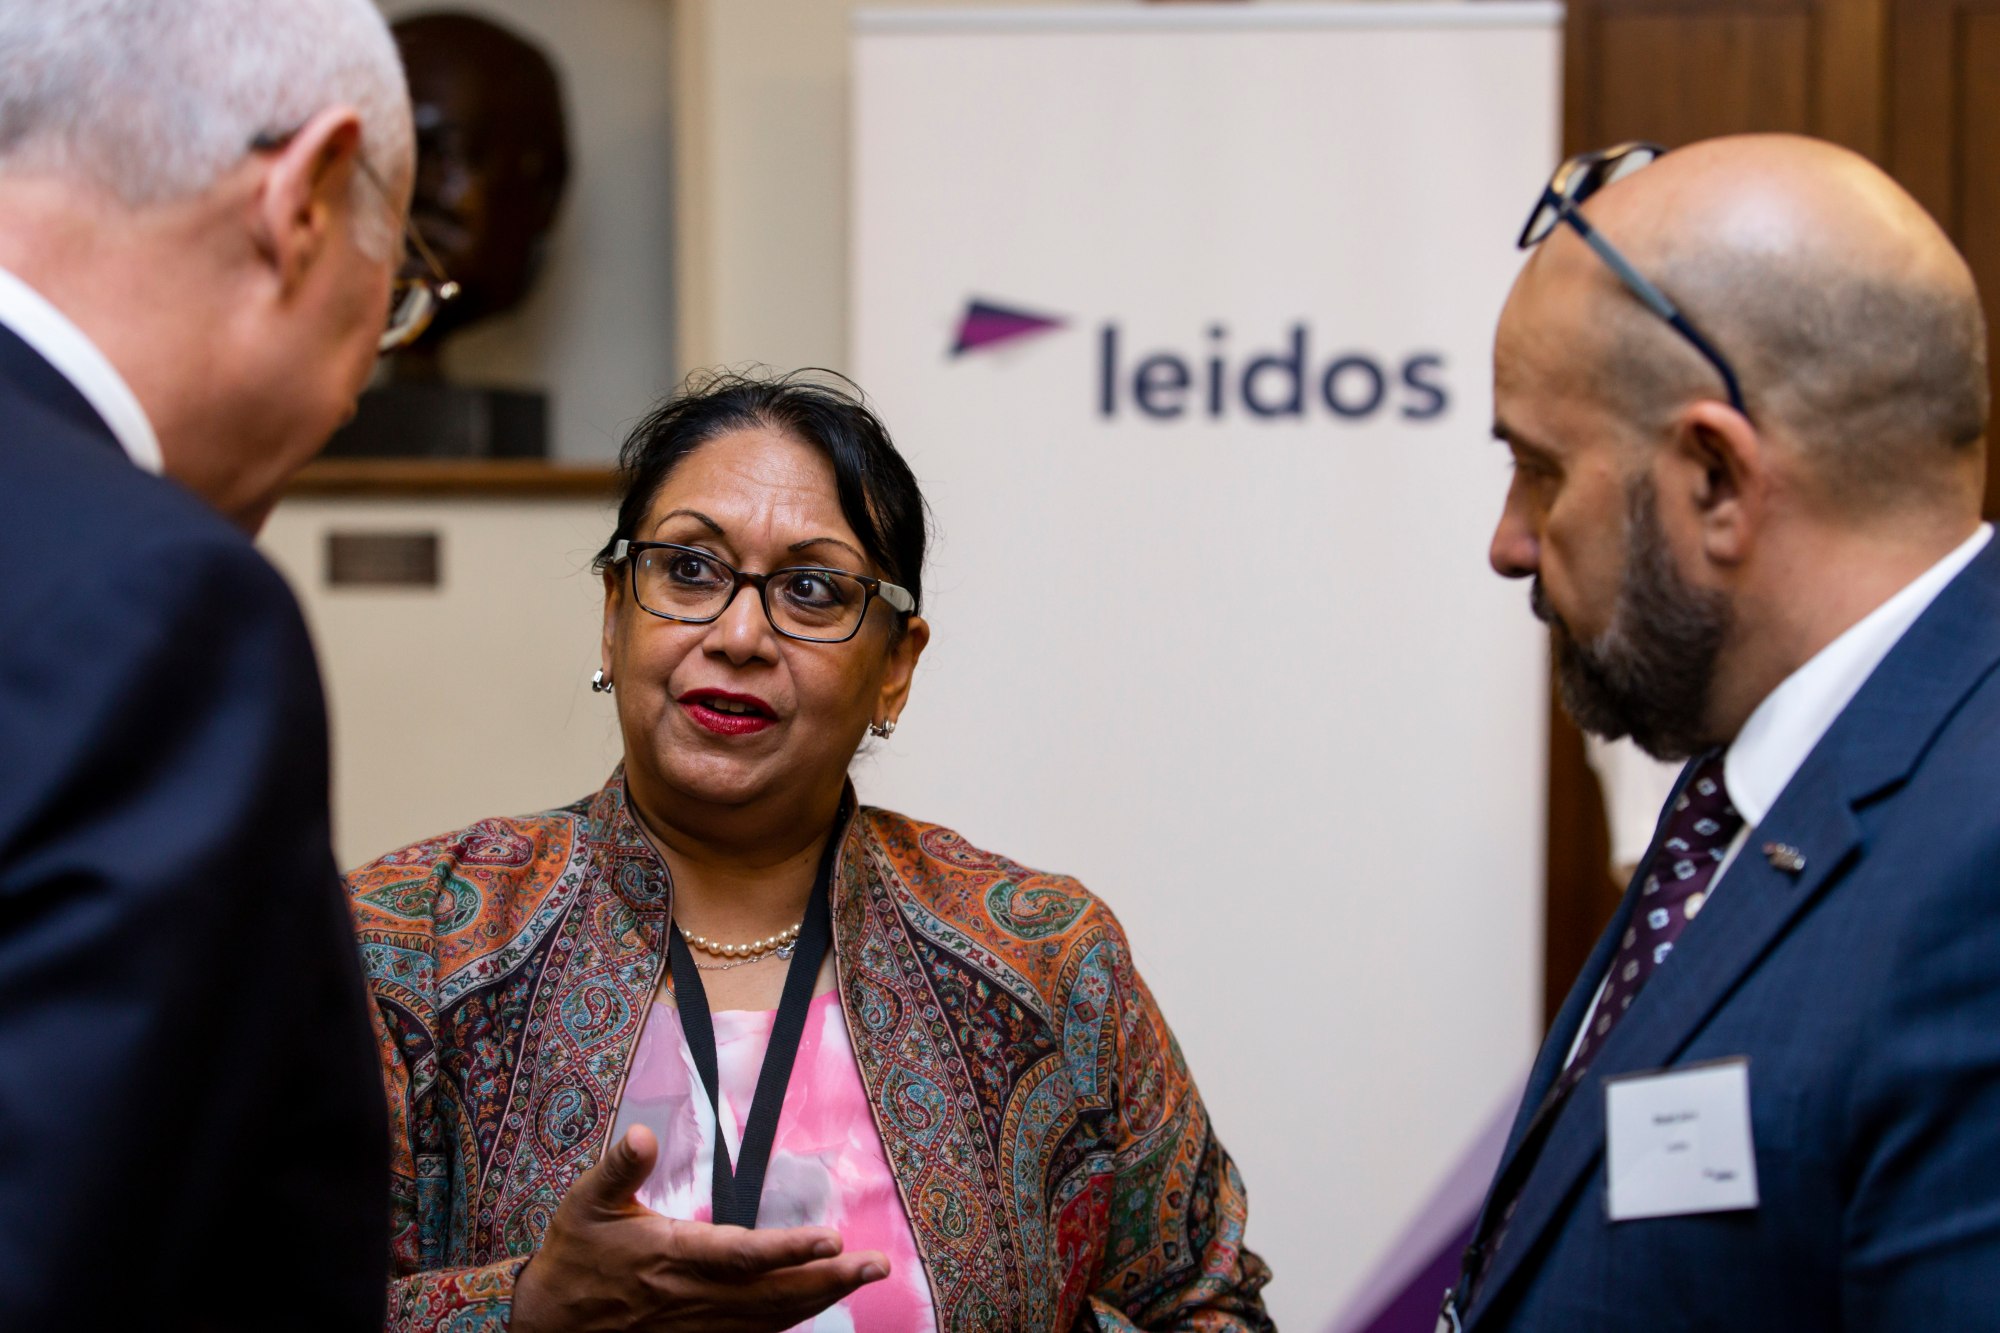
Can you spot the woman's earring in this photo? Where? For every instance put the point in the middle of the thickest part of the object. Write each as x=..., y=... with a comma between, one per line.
x=600, y=683
x=882, y=730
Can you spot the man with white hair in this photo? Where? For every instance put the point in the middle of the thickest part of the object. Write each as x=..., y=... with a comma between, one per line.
x=201, y=207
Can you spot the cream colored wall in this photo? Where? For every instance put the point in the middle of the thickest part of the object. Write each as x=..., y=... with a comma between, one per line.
x=469, y=700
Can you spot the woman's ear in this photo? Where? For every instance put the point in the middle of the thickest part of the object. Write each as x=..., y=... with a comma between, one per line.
x=614, y=606
x=1716, y=467
x=902, y=667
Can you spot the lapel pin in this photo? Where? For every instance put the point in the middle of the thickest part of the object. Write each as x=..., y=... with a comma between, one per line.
x=1785, y=857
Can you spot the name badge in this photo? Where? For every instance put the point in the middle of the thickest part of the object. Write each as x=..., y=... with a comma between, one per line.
x=1679, y=1142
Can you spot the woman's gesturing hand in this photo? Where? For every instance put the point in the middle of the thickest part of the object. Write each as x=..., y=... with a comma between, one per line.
x=609, y=1262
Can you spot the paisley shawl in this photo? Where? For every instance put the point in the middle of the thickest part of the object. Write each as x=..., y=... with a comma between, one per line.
x=1056, y=1161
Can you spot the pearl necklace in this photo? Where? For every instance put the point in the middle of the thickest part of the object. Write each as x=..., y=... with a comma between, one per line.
x=780, y=944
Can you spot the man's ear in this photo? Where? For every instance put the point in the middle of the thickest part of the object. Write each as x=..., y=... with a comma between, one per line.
x=305, y=188
x=1717, y=463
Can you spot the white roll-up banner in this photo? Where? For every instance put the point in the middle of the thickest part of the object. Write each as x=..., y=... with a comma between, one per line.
x=1184, y=317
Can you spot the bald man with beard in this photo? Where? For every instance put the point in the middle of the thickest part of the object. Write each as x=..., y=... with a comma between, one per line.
x=1744, y=386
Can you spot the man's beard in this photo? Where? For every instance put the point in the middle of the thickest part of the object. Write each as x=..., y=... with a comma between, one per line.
x=1650, y=674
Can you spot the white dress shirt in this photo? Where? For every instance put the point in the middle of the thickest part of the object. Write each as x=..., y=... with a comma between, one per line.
x=63, y=345
x=1790, y=721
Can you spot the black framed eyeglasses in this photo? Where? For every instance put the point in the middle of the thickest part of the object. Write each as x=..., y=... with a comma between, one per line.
x=806, y=602
x=1562, y=201
x=418, y=291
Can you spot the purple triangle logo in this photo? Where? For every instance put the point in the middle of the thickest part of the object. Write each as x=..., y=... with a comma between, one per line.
x=986, y=324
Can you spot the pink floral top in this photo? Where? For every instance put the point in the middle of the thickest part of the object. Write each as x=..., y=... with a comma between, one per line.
x=828, y=1166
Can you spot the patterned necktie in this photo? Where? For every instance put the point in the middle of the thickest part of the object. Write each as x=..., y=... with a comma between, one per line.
x=1678, y=872
x=1696, y=838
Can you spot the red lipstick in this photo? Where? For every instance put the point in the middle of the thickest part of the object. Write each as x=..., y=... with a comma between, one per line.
x=727, y=714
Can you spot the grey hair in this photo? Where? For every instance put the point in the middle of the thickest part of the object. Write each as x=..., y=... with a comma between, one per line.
x=155, y=100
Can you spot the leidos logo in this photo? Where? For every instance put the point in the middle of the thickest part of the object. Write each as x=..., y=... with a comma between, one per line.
x=1292, y=382
x=1292, y=379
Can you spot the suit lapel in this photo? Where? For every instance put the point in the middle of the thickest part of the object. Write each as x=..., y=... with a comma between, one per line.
x=1872, y=746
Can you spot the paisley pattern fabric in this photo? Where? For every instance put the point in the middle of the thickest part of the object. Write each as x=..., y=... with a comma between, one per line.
x=1059, y=1166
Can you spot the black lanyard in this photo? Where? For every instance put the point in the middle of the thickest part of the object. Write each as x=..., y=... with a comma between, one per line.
x=1507, y=1186
x=738, y=1191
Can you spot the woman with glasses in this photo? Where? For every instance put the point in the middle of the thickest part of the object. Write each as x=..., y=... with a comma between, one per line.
x=717, y=1047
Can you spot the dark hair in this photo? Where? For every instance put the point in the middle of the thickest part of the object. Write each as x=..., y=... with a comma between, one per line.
x=879, y=495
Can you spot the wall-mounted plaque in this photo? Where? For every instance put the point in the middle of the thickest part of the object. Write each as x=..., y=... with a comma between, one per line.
x=382, y=560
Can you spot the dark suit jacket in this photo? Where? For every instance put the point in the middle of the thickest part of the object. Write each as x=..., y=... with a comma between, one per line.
x=192, y=1130
x=1865, y=990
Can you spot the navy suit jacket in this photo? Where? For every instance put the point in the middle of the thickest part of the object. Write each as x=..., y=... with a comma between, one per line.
x=1865, y=990
x=192, y=1128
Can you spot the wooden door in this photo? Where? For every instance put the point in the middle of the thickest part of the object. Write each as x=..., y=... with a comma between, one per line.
x=1944, y=139
x=1679, y=70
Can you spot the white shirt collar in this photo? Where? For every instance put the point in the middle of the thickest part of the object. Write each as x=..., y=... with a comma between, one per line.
x=69, y=349
x=1789, y=723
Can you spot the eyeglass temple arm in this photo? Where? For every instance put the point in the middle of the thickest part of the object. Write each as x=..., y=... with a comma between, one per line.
x=447, y=286
x=1656, y=300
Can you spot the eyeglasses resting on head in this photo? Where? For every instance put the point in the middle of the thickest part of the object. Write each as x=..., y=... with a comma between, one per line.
x=1562, y=201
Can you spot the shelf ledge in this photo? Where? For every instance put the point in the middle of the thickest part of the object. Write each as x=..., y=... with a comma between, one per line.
x=494, y=478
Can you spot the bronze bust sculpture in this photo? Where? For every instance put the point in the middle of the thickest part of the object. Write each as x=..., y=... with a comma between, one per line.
x=492, y=162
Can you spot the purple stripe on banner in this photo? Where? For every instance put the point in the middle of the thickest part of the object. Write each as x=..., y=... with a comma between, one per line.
x=1402, y=1295
x=1414, y=1309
